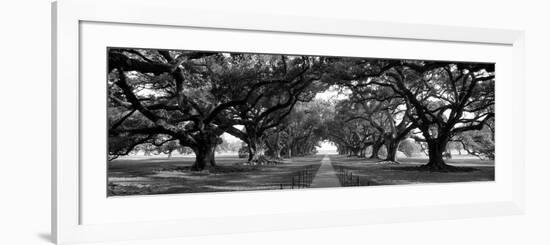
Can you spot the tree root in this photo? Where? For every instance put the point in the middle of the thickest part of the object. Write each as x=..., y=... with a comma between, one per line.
x=262, y=161
x=444, y=168
x=385, y=162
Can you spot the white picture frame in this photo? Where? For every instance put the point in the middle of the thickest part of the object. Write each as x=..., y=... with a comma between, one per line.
x=67, y=200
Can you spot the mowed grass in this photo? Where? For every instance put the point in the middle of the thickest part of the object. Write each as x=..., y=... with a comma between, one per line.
x=374, y=173
x=159, y=175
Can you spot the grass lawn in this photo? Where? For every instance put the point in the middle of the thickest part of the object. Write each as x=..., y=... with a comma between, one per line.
x=159, y=175
x=406, y=172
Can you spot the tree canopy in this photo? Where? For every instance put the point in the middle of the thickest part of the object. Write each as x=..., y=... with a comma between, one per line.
x=170, y=99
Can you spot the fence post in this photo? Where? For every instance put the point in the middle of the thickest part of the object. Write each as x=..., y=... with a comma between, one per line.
x=301, y=179
x=304, y=178
x=346, y=176
x=306, y=173
x=307, y=176
x=310, y=176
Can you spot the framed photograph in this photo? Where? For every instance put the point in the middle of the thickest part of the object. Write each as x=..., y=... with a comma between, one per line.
x=171, y=125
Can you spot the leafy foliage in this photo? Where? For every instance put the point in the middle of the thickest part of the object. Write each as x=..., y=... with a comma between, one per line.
x=173, y=100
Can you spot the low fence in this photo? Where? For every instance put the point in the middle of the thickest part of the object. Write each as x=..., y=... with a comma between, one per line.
x=300, y=180
x=347, y=178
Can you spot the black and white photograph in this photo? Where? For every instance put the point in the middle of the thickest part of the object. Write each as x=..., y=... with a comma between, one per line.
x=187, y=121
x=249, y=122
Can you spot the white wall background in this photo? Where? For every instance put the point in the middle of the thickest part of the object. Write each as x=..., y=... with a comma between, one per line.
x=25, y=123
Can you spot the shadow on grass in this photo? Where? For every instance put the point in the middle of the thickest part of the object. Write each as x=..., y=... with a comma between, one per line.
x=217, y=169
x=141, y=177
x=422, y=168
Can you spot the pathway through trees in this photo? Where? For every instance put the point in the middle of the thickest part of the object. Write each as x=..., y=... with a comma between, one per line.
x=326, y=175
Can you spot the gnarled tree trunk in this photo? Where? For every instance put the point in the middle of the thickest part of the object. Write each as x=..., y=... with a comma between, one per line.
x=436, y=148
x=276, y=148
x=275, y=151
x=204, y=156
x=362, y=153
x=375, y=148
x=257, y=149
x=391, y=149
x=257, y=153
x=205, y=151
